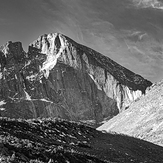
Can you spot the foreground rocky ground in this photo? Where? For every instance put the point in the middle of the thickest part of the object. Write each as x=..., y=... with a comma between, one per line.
x=47, y=140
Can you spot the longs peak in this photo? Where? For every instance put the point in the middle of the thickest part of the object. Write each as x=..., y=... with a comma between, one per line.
x=58, y=77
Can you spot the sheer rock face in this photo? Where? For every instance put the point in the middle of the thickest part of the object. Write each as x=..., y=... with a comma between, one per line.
x=60, y=78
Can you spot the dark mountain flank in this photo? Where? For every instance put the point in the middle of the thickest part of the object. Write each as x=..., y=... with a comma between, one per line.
x=58, y=77
x=59, y=141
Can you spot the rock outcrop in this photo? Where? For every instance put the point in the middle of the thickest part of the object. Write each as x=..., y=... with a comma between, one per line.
x=61, y=78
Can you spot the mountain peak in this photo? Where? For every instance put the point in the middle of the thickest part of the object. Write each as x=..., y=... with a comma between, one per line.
x=51, y=44
x=11, y=53
x=48, y=43
x=10, y=47
x=58, y=77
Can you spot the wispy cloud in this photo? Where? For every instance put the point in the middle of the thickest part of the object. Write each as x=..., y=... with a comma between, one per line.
x=156, y=4
x=104, y=25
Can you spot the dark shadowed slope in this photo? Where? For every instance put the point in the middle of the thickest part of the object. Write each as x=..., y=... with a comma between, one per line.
x=62, y=141
x=143, y=119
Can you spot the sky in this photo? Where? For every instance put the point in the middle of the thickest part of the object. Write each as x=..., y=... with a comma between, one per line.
x=128, y=31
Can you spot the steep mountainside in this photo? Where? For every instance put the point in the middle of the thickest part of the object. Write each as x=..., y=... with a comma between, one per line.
x=60, y=78
x=143, y=119
x=68, y=142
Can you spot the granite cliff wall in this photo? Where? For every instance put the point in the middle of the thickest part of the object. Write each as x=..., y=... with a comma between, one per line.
x=60, y=78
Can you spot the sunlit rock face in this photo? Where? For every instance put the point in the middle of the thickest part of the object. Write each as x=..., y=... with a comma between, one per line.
x=60, y=78
x=143, y=119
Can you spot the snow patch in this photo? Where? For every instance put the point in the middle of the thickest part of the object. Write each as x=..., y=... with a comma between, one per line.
x=26, y=64
x=32, y=77
x=45, y=100
x=28, y=97
x=2, y=103
x=1, y=75
x=2, y=109
x=95, y=81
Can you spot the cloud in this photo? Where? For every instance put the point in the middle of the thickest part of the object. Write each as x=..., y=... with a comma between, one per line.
x=156, y=4
x=116, y=28
x=105, y=26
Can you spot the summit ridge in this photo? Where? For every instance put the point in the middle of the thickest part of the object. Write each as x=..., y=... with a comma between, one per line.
x=74, y=81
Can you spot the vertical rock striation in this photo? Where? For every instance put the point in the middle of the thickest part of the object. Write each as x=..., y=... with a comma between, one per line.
x=61, y=78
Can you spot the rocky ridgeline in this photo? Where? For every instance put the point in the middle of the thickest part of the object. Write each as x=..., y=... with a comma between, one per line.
x=58, y=77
